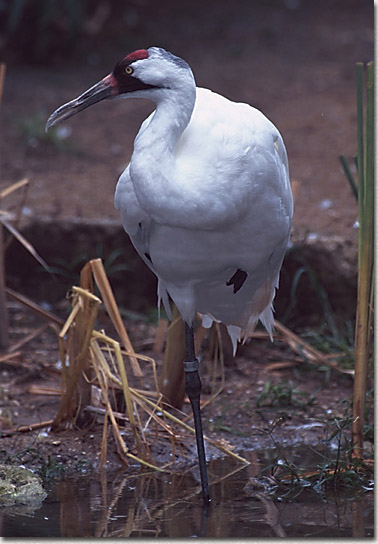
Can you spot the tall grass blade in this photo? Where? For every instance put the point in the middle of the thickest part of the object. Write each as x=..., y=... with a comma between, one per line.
x=365, y=162
x=349, y=176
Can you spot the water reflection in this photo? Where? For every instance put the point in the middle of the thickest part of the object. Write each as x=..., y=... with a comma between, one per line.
x=157, y=504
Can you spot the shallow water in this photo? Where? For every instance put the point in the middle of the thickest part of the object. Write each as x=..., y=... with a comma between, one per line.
x=169, y=505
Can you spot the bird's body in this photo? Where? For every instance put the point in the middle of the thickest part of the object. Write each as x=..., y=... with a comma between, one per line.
x=206, y=200
x=207, y=194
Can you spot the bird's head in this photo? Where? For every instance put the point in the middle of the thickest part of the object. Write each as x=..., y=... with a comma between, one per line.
x=145, y=73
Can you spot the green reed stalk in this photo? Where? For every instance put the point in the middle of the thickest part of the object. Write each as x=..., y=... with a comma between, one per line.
x=365, y=167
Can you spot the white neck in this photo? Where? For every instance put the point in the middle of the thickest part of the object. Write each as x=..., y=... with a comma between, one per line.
x=174, y=108
x=152, y=166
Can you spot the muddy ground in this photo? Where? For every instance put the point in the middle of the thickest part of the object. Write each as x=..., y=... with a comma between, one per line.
x=300, y=408
x=295, y=61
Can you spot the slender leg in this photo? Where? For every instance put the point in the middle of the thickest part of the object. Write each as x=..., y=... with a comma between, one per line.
x=193, y=388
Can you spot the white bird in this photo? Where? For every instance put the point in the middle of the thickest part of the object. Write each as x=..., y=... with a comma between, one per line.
x=206, y=200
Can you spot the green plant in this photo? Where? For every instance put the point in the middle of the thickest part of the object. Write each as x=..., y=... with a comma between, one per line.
x=282, y=394
x=50, y=468
x=349, y=174
x=33, y=134
x=341, y=469
x=341, y=343
x=365, y=161
x=151, y=315
x=218, y=423
x=69, y=270
x=305, y=270
x=364, y=189
x=335, y=468
x=112, y=265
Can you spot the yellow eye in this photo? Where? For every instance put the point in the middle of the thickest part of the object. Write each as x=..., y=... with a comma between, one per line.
x=128, y=70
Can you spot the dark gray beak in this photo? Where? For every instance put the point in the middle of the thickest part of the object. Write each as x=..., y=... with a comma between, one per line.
x=106, y=88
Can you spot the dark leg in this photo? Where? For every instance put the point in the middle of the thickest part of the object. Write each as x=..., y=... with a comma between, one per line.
x=193, y=388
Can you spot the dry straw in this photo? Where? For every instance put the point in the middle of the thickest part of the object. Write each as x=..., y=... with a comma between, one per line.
x=92, y=358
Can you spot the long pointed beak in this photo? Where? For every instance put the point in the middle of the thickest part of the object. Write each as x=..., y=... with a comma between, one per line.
x=106, y=88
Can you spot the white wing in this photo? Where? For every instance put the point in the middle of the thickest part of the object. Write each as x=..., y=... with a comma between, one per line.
x=138, y=226
x=217, y=241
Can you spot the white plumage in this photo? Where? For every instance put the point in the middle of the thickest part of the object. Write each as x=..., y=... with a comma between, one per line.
x=206, y=198
x=206, y=194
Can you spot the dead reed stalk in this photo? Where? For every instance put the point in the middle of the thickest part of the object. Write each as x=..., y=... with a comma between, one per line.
x=93, y=359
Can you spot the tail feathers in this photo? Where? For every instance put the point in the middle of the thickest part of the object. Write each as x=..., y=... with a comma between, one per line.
x=235, y=332
x=235, y=335
x=267, y=319
x=163, y=296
